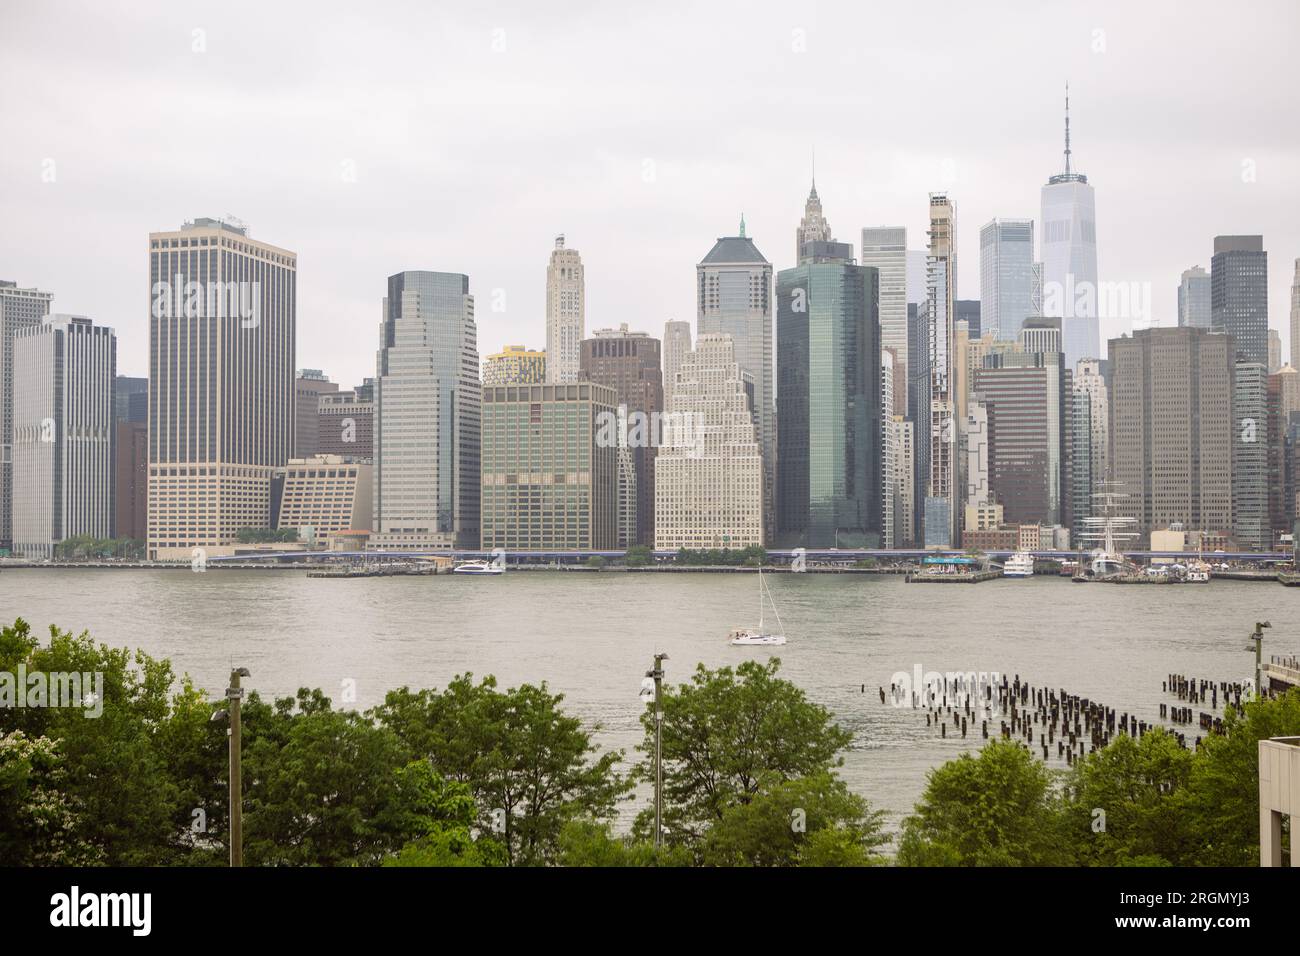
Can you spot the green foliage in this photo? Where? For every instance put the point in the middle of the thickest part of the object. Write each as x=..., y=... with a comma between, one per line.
x=753, y=556
x=810, y=821
x=40, y=824
x=638, y=556
x=1223, y=798
x=1141, y=788
x=595, y=561
x=727, y=733
x=997, y=809
x=85, y=547
x=866, y=563
x=589, y=843
x=530, y=767
x=117, y=776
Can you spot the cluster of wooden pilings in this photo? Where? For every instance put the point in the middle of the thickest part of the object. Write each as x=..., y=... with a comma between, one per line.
x=1052, y=721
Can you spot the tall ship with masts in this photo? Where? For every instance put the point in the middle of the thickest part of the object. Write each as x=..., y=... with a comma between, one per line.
x=1106, y=529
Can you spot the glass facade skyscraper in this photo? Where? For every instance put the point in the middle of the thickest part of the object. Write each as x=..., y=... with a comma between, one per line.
x=1239, y=295
x=427, y=397
x=1007, y=277
x=828, y=404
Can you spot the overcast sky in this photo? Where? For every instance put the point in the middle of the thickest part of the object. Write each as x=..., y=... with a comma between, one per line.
x=477, y=132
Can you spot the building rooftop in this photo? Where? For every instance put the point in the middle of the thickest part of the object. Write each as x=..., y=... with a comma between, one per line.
x=734, y=249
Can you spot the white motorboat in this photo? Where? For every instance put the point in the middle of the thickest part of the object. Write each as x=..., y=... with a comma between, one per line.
x=758, y=636
x=1198, y=572
x=478, y=567
x=1019, y=565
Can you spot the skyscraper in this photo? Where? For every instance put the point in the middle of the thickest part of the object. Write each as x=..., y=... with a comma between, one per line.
x=427, y=437
x=1070, y=257
x=566, y=313
x=709, y=477
x=884, y=248
x=1194, y=298
x=19, y=309
x=734, y=297
x=1171, y=421
x=628, y=362
x=1274, y=351
x=347, y=424
x=1029, y=401
x=548, y=476
x=813, y=227
x=1007, y=276
x=941, y=280
x=63, y=464
x=828, y=401
x=1250, y=457
x=896, y=494
x=309, y=386
x=222, y=340
x=1239, y=295
x=1091, y=438
x=918, y=412
x=1295, y=316
x=677, y=343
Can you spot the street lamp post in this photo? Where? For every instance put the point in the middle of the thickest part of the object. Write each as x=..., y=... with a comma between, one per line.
x=234, y=698
x=657, y=673
x=1258, y=638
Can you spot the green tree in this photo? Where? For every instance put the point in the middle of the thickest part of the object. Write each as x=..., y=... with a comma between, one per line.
x=812, y=820
x=727, y=732
x=116, y=773
x=1129, y=801
x=40, y=824
x=589, y=843
x=638, y=556
x=531, y=767
x=1224, y=799
x=997, y=809
x=327, y=787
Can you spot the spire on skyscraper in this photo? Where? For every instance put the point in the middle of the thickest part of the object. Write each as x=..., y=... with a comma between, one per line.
x=1067, y=127
x=742, y=225
x=1069, y=176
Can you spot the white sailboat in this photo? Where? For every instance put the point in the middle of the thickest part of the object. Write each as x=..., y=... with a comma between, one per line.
x=759, y=636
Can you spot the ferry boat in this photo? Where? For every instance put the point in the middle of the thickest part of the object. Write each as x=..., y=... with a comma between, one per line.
x=1019, y=565
x=478, y=567
x=1198, y=572
x=757, y=636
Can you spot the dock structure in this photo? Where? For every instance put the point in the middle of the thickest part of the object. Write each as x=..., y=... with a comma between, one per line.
x=952, y=569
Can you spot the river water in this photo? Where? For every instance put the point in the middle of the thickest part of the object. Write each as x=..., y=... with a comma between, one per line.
x=592, y=637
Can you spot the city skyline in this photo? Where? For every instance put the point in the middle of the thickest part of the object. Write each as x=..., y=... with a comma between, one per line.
x=621, y=177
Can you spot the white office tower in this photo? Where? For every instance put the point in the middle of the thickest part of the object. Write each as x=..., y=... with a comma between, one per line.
x=19, y=309
x=566, y=311
x=427, y=415
x=1070, y=258
x=677, y=344
x=896, y=460
x=1091, y=442
x=1008, y=277
x=940, y=521
x=222, y=338
x=734, y=297
x=64, y=400
x=885, y=249
x=709, y=469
